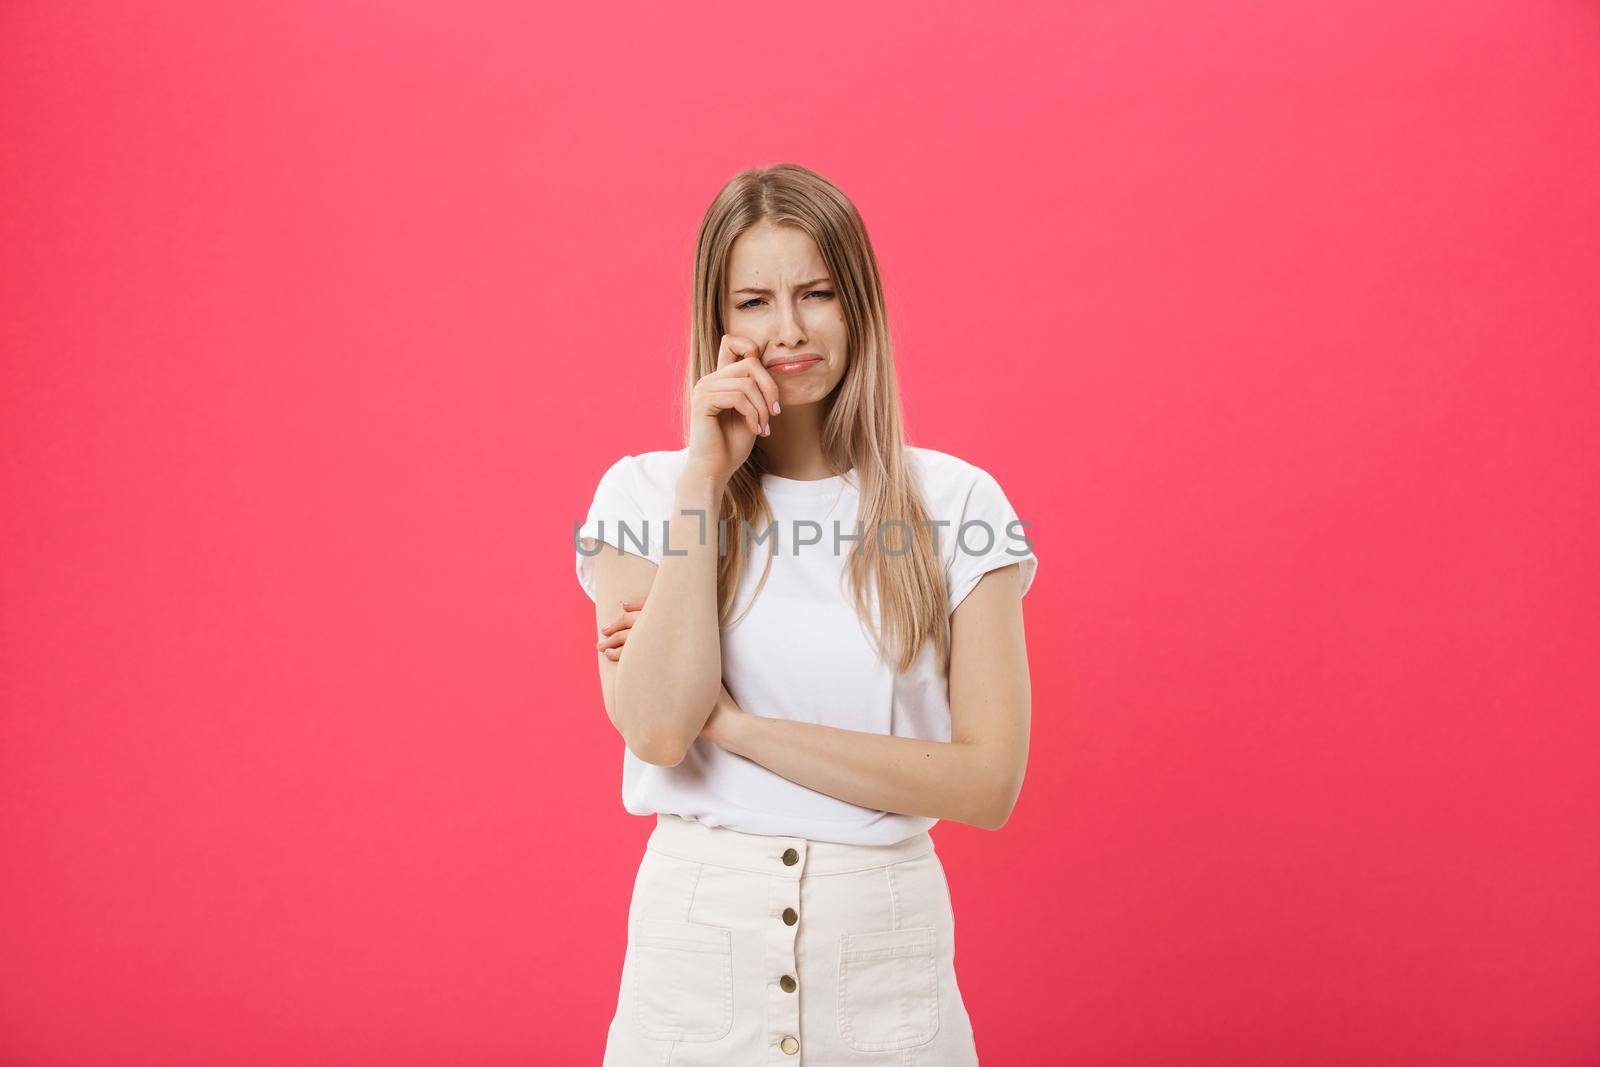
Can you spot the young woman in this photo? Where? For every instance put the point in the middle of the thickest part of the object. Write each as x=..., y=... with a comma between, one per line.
x=797, y=722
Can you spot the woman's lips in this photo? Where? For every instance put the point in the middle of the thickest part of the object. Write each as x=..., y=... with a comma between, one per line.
x=795, y=366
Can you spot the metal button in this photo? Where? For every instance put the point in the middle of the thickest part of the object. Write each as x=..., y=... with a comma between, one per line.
x=787, y=983
x=789, y=917
x=790, y=857
x=789, y=1045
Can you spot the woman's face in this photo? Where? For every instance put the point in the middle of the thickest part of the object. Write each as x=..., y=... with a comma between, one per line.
x=780, y=296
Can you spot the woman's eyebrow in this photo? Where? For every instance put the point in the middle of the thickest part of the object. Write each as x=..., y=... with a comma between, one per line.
x=768, y=292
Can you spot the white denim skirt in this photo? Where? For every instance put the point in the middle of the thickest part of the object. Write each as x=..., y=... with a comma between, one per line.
x=750, y=950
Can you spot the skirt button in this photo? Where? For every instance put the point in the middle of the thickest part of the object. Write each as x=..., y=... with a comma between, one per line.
x=790, y=917
x=790, y=857
x=787, y=984
x=789, y=1045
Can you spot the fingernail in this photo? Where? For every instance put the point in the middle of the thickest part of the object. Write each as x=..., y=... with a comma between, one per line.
x=776, y=407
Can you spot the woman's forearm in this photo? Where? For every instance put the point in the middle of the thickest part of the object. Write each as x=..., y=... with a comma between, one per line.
x=960, y=781
x=670, y=678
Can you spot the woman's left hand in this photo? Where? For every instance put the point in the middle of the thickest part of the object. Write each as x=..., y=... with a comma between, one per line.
x=615, y=635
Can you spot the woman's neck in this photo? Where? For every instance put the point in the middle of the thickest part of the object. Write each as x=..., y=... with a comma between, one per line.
x=794, y=450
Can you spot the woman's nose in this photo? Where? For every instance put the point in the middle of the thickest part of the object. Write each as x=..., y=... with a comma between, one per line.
x=789, y=331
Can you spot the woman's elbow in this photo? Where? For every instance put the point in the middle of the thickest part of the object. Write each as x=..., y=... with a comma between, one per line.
x=1001, y=803
x=999, y=821
x=650, y=745
x=656, y=749
x=992, y=819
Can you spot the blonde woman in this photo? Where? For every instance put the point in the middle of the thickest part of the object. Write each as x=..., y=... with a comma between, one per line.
x=811, y=643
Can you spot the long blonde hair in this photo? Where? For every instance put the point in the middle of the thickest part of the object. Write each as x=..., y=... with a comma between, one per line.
x=861, y=425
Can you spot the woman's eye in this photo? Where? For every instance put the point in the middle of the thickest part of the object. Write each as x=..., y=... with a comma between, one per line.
x=748, y=304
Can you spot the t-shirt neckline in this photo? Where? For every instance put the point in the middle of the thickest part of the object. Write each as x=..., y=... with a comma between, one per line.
x=775, y=485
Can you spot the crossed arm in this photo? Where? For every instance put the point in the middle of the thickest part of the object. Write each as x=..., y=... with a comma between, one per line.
x=973, y=778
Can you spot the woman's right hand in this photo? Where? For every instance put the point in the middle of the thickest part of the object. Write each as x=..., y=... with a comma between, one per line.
x=729, y=409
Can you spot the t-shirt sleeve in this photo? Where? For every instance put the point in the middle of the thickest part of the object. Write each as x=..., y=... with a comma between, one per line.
x=987, y=536
x=619, y=515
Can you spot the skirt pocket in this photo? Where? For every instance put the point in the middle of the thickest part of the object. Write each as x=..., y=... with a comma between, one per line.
x=888, y=989
x=682, y=980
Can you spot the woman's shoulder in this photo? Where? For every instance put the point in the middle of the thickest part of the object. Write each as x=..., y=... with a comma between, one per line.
x=943, y=475
x=972, y=499
x=647, y=475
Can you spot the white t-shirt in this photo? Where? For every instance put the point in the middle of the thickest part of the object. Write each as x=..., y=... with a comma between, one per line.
x=801, y=651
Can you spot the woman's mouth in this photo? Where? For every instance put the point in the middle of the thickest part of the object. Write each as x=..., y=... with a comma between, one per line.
x=794, y=366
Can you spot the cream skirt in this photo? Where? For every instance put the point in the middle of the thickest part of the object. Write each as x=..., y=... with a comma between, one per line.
x=748, y=950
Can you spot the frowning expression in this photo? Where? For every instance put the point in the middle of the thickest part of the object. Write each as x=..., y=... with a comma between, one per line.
x=780, y=295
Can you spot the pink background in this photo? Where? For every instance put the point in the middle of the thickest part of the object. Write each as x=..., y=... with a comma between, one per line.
x=320, y=321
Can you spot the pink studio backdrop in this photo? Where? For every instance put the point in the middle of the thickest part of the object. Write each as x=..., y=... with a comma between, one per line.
x=320, y=321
